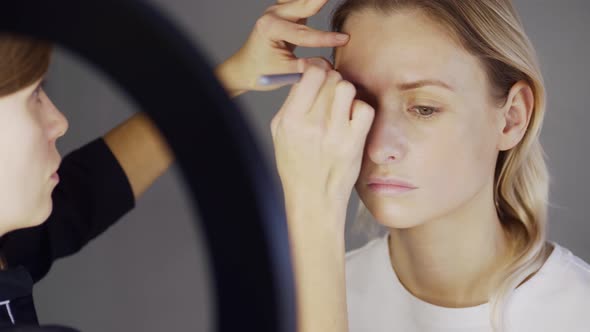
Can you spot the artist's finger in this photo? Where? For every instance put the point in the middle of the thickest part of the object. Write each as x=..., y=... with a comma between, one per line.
x=362, y=116
x=297, y=9
x=278, y=30
x=341, y=107
x=321, y=62
x=303, y=94
x=323, y=105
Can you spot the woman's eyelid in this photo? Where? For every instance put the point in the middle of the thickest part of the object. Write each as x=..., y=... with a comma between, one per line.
x=414, y=100
x=420, y=101
x=425, y=101
x=416, y=111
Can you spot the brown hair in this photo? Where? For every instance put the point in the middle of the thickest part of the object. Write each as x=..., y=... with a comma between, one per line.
x=491, y=31
x=22, y=62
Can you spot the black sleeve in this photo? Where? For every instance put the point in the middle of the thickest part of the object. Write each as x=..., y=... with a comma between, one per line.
x=93, y=194
x=52, y=328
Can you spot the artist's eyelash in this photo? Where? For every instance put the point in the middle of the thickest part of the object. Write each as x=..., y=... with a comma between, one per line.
x=39, y=88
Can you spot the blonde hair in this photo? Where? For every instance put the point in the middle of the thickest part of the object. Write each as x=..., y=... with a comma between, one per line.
x=491, y=31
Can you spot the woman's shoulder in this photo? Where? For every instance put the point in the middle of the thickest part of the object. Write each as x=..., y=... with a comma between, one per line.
x=567, y=266
x=563, y=273
x=374, y=247
x=369, y=261
x=557, y=297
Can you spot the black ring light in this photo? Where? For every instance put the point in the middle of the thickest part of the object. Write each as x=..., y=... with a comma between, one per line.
x=165, y=75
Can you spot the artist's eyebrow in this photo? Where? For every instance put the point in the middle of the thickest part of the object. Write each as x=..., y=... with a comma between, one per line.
x=41, y=82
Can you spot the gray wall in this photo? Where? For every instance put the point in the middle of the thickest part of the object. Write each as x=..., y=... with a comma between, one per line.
x=150, y=270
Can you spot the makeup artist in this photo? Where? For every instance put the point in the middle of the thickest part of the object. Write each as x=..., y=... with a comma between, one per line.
x=97, y=184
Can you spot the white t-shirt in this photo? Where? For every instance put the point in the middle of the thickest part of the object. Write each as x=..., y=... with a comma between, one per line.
x=556, y=298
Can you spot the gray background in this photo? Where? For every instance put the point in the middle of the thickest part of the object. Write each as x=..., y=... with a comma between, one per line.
x=150, y=271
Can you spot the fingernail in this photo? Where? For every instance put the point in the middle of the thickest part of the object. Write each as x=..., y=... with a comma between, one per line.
x=341, y=37
x=316, y=62
x=319, y=63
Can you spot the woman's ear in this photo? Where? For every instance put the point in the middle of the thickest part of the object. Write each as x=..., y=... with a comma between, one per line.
x=516, y=115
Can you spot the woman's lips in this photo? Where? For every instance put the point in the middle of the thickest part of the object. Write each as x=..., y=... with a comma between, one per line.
x=389, y=186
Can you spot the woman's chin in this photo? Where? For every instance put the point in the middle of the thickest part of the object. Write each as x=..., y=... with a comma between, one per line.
x=392, y=216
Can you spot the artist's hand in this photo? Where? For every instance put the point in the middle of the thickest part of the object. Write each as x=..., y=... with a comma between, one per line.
x=319, y=136
x=269, y=48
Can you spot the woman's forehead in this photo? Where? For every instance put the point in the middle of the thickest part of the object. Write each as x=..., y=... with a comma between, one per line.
x=401, y=47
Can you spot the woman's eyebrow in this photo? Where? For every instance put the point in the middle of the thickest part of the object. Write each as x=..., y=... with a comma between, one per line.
x=422, y=83
x=410, y=85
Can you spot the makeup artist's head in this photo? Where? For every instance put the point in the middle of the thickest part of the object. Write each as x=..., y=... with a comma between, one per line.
x=29, y=127
x=459, y=103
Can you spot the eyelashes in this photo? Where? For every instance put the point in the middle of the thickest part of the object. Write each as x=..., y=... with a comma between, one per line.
x=37, y=92
x=424, y=112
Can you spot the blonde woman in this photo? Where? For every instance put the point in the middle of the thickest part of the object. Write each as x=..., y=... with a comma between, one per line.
x=433, y=115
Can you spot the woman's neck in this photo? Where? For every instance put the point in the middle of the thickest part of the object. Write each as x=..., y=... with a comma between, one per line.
x=452, y=261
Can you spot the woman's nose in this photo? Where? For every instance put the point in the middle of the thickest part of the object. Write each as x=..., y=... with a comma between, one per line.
x=386, y=142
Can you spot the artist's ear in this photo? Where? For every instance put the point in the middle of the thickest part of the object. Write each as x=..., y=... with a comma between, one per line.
x=516, y=115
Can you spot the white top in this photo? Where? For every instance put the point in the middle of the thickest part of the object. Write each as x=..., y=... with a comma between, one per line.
x=556, y=298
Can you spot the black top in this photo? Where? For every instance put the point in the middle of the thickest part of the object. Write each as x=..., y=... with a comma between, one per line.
x=92, y=195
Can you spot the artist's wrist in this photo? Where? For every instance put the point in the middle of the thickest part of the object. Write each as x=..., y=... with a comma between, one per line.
x=229, y=74
x=317, y=214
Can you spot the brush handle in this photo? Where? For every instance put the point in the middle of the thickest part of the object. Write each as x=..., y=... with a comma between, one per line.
x=277, y=79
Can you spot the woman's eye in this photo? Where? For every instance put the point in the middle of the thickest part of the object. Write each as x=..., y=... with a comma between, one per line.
x=424, y=111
